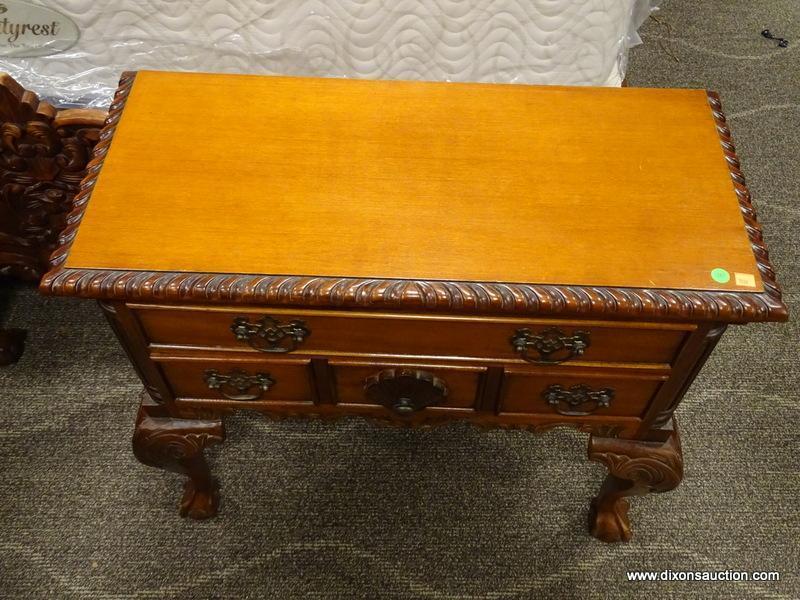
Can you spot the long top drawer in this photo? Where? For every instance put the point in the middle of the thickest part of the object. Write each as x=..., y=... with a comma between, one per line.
x=536, y=341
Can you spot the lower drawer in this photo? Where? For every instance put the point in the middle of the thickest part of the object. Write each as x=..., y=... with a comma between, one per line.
x=576, y=393
x=253, y=381
x=405, y=388
x=245, y=381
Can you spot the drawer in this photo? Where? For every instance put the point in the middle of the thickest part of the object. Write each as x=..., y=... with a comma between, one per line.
x=321, y=332
x=251, y=381
x=578, y=393
x=255, y=381
x=405, y=388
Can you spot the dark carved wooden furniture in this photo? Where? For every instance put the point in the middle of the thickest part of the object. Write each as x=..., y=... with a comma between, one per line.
x=417, y=253
x=44, y=157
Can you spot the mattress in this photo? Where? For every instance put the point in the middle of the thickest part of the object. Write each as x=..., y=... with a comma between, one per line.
x=567, y=42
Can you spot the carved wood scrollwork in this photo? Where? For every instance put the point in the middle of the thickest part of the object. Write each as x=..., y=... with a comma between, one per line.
x=43, y=158
x=405, y=391
x=428, y=420
x=634, y=468
x=177, y=445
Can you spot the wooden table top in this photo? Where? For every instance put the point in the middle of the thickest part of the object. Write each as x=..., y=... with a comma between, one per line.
x=469, y=197
x=276, y=175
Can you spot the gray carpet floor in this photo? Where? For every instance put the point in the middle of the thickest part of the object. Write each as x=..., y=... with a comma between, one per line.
x=353, y=510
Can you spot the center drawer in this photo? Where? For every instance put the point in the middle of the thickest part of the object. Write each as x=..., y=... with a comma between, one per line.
x=405, y=387
x=281, y=331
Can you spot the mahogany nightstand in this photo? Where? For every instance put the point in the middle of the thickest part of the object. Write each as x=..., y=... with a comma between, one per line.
x=417, y=253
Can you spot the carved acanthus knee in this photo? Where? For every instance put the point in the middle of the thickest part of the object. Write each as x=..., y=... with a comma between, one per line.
x=635, y=468
x=177, y=445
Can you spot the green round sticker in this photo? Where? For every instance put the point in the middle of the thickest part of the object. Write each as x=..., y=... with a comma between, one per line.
x=720, y=275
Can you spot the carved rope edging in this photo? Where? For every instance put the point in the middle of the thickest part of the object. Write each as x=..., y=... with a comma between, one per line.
x=452, y=296
x=93, y=167
x=752, y=226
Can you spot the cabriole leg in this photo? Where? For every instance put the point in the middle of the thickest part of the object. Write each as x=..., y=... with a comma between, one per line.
x=635, y=468
x=177, y=445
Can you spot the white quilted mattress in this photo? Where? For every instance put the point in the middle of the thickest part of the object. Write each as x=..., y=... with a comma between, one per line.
x=569, y=42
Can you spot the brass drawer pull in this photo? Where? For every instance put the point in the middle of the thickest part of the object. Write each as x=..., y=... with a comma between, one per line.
x=552, y=345
x=235, y=384
x=268, y=333
x=405, y=391
x=567, y=401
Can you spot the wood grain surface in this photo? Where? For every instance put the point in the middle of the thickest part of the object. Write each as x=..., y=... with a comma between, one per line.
x=467, y=182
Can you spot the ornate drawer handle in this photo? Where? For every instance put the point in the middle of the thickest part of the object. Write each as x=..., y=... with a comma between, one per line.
x=567, y=401
x=235, y=384
x=265, y=335
x=549, y=342
x=405, y=391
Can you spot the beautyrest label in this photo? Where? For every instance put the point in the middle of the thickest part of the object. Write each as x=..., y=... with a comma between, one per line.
x=28, y=30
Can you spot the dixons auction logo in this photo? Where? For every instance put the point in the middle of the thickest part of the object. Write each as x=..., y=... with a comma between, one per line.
x=28, y=30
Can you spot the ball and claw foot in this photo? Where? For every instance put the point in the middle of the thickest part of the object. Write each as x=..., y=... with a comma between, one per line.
x=199, y=504
x=635, y=468
x=610, y=523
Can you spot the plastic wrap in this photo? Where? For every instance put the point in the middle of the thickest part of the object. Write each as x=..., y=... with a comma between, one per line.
x=567, y=42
